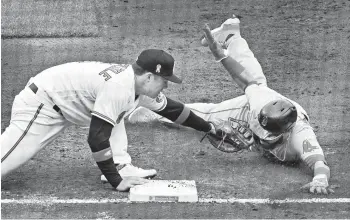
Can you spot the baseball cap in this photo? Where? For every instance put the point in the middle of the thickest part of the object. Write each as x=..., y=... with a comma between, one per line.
x=159, y=63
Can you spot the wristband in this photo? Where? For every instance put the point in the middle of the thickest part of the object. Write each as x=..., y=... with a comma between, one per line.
x=222, y=58
x=320, y=176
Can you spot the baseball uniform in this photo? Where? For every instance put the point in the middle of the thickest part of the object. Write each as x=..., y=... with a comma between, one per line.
x=299, y=143
x=70, y=94
x=92, y=94
x=58, y=97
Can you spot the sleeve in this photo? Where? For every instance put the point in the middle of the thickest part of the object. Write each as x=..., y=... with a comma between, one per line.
x=176, y=111
x=157, y=104
x=98, y=139
x=110, y=103
x=305, y=143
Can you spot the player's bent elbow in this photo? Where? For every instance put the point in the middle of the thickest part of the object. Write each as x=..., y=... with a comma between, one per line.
x=98, y=143
x=93, y=142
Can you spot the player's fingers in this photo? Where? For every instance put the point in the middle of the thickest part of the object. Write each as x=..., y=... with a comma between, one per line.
x=208, y=34
x=132, y=177
x=312, y=189
x=139, y=181
x=135, y=182
x=318, y=190
x=306, y=186
x=330, y=190
x=135, y=178
x=204, y=41
x=324, y=191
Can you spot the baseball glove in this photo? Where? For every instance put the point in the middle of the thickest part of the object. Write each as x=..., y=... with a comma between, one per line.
x=230, y=136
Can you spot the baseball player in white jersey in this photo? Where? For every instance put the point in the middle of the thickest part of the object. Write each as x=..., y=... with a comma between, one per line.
x=281, y=126
x=98, y=95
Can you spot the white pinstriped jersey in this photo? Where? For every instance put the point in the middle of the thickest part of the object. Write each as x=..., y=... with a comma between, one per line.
x=82, y=89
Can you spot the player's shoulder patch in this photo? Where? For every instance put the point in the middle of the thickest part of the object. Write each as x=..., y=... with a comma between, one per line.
x=309, y=146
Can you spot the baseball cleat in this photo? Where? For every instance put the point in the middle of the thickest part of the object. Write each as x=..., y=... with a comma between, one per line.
x=223, y=33
x=126, y=170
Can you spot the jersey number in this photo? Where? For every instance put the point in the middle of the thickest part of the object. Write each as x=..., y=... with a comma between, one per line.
x=113, y=70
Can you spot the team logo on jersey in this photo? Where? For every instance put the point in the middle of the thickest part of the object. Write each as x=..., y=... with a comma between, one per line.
x=308, y=147
x=120, y=117
x=158, y=68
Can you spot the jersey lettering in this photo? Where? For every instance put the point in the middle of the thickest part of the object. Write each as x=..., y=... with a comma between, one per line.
x=105, y=74
x=112, y=70
x=307, y=147
x=118, y=68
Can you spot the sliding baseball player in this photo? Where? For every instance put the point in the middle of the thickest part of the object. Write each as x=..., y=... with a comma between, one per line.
x=279, y=126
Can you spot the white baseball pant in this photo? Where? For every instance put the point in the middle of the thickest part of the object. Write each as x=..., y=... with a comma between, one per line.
x=35, y=124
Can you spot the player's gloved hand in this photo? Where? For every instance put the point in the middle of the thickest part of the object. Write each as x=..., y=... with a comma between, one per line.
x=318, y=185
x=129, y=182
x=212, y=130
x=218, y=52
x=229, y=136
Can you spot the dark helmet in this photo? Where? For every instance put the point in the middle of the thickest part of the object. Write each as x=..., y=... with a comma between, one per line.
x=277, y=116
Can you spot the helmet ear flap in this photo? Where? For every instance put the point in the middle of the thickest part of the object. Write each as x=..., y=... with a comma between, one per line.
x=263, y=119
x=278, y=115
x=292, y=115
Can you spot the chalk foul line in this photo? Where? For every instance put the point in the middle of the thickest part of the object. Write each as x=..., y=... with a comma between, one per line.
x=51, y=201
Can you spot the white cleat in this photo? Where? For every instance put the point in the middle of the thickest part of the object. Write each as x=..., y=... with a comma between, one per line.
x=126, y=170
x=223, y=33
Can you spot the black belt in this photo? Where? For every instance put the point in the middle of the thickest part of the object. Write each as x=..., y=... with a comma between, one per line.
x=34, y=88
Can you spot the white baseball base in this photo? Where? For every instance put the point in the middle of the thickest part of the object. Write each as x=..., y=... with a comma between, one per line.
x=165, y=191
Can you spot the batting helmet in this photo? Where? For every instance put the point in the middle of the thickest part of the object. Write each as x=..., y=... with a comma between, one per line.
x=277, y=116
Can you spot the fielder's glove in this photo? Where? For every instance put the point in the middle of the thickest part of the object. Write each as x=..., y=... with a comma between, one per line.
x=230, y=136
x=318, y=185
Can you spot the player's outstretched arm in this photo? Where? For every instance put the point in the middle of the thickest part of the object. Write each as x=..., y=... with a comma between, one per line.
x=238, y=73
x=176, y=112
x=319, y=183
x=312, y=155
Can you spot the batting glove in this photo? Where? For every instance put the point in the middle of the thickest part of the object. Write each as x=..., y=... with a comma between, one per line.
x=216, y=49
x=318, y=185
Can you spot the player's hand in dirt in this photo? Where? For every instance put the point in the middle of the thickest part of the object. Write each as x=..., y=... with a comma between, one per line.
x=129, y=182
x=318, y=185
x=215, y=47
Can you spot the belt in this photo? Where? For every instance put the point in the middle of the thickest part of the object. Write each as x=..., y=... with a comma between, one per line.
x=34, y=88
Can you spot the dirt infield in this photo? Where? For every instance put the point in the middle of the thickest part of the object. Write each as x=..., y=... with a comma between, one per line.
x=303, y=47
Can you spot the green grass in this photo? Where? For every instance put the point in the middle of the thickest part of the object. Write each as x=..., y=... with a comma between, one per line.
x=40, y=18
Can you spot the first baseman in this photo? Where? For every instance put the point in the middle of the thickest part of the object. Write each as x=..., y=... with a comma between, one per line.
x=280, y=126
x=94, y=94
